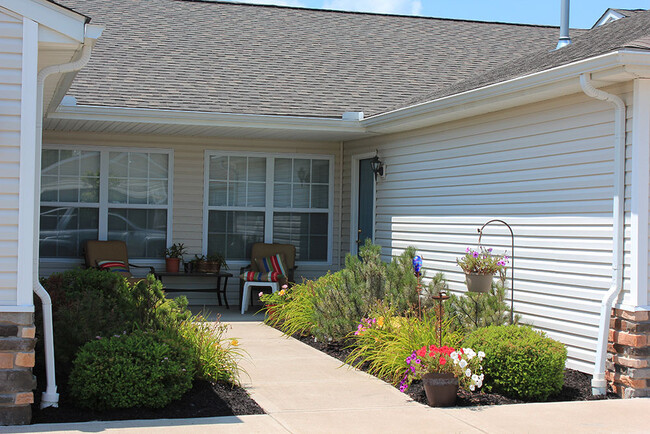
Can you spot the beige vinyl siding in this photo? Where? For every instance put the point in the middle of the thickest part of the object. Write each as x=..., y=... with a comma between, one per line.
x=546, y=169
x=11, y=30
x=187, y=211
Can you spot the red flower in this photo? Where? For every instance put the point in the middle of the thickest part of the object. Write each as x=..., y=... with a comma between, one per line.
x=422, y=351
x=442, y=361
x=460, y=350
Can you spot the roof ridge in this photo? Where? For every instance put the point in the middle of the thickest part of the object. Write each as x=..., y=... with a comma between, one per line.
x=259, y=5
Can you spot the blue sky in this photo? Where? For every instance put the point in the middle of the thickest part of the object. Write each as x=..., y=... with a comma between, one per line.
x=584, y=13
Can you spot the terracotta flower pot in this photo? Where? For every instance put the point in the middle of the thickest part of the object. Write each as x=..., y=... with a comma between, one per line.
x=478, y=282
x=441, y=389
x=172, y=264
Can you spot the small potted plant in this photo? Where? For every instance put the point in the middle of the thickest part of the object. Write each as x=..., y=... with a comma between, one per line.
x=214, y=263
x=442, y=370
x=480, y=266
x=173, y=256
x=272, y=300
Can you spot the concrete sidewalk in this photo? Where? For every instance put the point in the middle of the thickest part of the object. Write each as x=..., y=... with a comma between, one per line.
x=305, y=391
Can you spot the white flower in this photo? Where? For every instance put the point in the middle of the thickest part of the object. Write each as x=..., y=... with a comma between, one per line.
x=479, y=383
x=472, y=388
x=463, y=363
x=475, y=378
x=480, y=377
x=453, y=355
x=481, y=354
x=468, y=372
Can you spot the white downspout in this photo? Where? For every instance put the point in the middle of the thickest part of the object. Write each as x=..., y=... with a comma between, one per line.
x=598, y=383
x=50, y=397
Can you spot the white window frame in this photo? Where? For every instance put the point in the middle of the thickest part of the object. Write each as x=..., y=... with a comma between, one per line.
x=104, y=204
x=270, y=209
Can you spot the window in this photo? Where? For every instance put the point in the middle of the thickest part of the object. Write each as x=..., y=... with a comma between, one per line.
x=105, y=194
x=260, y=198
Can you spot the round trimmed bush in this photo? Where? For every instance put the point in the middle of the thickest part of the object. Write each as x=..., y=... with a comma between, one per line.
x=142, y=369
x=519, y=362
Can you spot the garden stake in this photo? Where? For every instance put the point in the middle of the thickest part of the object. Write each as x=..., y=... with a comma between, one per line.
x=512, y=264
x=441, y=311
x=417, y=266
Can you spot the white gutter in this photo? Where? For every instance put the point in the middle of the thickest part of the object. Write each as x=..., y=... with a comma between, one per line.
x=207, y=119
x=598, y=383
x=50, y=397
x=621, y=65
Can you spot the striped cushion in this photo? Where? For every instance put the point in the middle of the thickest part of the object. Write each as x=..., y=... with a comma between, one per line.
x=114, y=266
x=272, y=264
x=253, y=276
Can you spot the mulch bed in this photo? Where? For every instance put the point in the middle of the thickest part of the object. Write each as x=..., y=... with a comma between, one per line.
x=577, y=385
x=203, y=400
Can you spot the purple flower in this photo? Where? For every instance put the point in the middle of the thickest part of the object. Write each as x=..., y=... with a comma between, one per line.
x=467, y=250
x=490, y=250
x=475, y=254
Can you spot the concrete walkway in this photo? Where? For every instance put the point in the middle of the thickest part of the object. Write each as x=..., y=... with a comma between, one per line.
x=304, y=391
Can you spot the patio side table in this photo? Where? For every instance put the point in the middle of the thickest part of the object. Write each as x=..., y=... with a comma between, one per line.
x=219, y=289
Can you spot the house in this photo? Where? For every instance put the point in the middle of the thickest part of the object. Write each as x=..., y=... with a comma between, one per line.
x=219, y=124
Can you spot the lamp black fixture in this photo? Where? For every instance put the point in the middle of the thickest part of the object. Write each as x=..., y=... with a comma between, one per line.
x=377, y=166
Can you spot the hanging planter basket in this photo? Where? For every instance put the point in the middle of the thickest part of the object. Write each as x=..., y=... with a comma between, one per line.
x=478, y=282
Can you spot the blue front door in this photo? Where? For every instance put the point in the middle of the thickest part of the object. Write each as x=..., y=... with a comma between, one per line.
x=365, y=223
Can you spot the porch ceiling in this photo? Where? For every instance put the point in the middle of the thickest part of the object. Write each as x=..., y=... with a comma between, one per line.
x=176, y=123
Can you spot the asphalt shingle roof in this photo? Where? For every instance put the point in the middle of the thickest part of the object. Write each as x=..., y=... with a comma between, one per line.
x=629, y=32
x=239, y=58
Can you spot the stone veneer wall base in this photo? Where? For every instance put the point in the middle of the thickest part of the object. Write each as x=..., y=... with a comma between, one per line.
x=17, y=340
x=628, y=358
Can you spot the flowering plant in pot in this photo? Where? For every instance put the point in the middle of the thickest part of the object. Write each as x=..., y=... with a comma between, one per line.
x=442, y=370
x=173, y=256
x=480, y=266
x=274, y=299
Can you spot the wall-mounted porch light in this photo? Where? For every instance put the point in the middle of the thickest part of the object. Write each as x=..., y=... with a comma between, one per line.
x=377, y=166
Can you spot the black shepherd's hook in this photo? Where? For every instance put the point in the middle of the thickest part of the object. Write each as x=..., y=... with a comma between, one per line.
x=512, y=266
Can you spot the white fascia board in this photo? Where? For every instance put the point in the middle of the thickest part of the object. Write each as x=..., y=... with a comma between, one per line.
x=531, y=88
x=64, y=21
x=176, y=117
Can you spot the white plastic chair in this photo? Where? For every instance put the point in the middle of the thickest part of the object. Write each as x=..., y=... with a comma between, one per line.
x=246, y=293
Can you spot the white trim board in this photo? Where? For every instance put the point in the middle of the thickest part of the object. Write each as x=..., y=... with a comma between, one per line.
x=26, y=272
x=639, y=206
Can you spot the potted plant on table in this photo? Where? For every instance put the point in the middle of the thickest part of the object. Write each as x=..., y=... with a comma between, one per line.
x=442, y=370
x=173, y=256
x=480, y=266
x=209, y=264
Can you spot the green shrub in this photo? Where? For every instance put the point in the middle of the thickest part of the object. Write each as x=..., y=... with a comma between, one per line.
x=89, y=303
x=519, y=361
x=148, y=369
x=343, y=298
x=215, y=357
